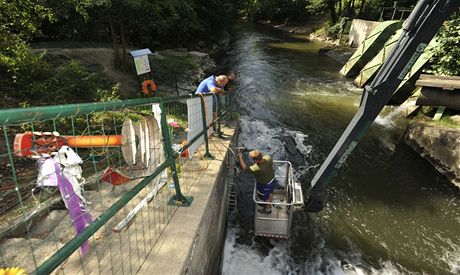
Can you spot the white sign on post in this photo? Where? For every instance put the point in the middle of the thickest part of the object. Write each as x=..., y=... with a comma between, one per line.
x=142, y=64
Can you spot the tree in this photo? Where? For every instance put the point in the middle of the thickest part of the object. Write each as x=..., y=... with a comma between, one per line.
x=446, y=60
x=20, y=21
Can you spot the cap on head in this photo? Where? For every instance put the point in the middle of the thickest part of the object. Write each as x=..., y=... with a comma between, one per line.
x=255, y=155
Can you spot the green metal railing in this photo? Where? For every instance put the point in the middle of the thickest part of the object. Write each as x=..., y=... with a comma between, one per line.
x=155, y=191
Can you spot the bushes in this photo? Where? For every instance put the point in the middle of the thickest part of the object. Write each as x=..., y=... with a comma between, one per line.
x=37, y=82
x=446, y=60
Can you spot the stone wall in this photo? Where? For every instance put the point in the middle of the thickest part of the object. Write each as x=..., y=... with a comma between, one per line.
x=438, y=144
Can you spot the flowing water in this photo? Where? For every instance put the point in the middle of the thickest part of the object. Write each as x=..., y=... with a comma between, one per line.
x=388, y=211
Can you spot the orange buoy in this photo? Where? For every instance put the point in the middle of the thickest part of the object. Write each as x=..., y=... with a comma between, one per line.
x=145, y=87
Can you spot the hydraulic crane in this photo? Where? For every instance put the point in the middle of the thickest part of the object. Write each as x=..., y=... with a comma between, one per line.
x=418, y=30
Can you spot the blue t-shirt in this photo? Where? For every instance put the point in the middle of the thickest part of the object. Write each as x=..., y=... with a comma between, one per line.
x=206, y=85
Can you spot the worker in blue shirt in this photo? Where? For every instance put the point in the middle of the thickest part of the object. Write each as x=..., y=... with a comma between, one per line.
x=215, y=85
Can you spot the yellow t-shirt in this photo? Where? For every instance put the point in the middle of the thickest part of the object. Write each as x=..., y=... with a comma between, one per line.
x=263, y=172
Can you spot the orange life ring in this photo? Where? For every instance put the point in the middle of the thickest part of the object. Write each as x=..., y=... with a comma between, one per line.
x=145, y=87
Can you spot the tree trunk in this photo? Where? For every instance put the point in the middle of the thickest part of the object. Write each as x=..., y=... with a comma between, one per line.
x=331, y=6
x=116, y=55
x=346, y=10
x=340, y=7
x=361, y=8
x=123, y=43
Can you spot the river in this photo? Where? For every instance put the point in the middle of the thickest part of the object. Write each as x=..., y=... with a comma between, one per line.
x=387, y=211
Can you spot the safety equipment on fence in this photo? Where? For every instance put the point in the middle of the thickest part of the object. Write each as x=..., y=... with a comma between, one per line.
x=30, y=144
x=145, y=87
x=140, y=142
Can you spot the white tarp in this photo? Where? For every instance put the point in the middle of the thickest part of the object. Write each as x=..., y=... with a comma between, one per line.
x=195, y=123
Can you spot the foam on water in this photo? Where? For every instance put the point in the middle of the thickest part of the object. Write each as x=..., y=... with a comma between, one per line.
x=452, y=257
x=300, y=138
x=258, y=135
x=248, y=259
x=388, y=120
x=243, y=258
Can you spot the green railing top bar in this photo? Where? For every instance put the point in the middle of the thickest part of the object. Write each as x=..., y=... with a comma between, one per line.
x=62, y=254
x=21, y=115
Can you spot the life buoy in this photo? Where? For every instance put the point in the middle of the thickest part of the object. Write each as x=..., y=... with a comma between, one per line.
x=145, y=87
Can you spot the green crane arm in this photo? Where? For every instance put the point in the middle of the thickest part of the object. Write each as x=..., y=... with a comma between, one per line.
x=418, y=30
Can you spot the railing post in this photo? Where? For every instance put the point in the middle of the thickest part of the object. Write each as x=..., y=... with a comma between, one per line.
x=207, y=155
x=219, y=115
x=171, y=158
x=228, y=110
x=395, y=4
x=175, y=83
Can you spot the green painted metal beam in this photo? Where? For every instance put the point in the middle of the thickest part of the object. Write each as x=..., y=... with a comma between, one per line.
x=371, y=68
x=370, y=47
x=407, y=86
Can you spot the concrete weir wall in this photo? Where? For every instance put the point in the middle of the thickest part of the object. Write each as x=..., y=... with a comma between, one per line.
x=359, y=30
x=439, y=145
x=192, y=242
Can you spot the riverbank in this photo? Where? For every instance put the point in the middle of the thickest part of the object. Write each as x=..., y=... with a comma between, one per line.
x=314, y=32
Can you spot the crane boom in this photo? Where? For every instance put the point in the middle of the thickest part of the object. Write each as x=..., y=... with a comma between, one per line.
x=418, y=30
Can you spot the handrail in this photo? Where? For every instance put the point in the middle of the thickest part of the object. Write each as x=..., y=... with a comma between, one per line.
x=20, y=115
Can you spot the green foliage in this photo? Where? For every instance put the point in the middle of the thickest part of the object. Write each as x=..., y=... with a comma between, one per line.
x=325, y=10
x=446, y=60
x=20, y=21
x=316, y=6
x=37, y=81
x=334, y=30
x=277, y=10
x=104, y=95
x=30, y=79
x=144, y=23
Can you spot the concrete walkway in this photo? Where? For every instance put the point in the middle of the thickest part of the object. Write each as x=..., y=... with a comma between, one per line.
x=192, y=241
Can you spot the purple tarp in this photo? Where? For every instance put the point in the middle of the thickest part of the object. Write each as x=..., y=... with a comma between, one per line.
x=79, y=214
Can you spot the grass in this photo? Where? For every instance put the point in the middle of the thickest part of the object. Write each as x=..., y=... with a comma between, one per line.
x=427, y=113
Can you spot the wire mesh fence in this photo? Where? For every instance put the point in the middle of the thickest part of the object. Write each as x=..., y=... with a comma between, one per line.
x=88, y=188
